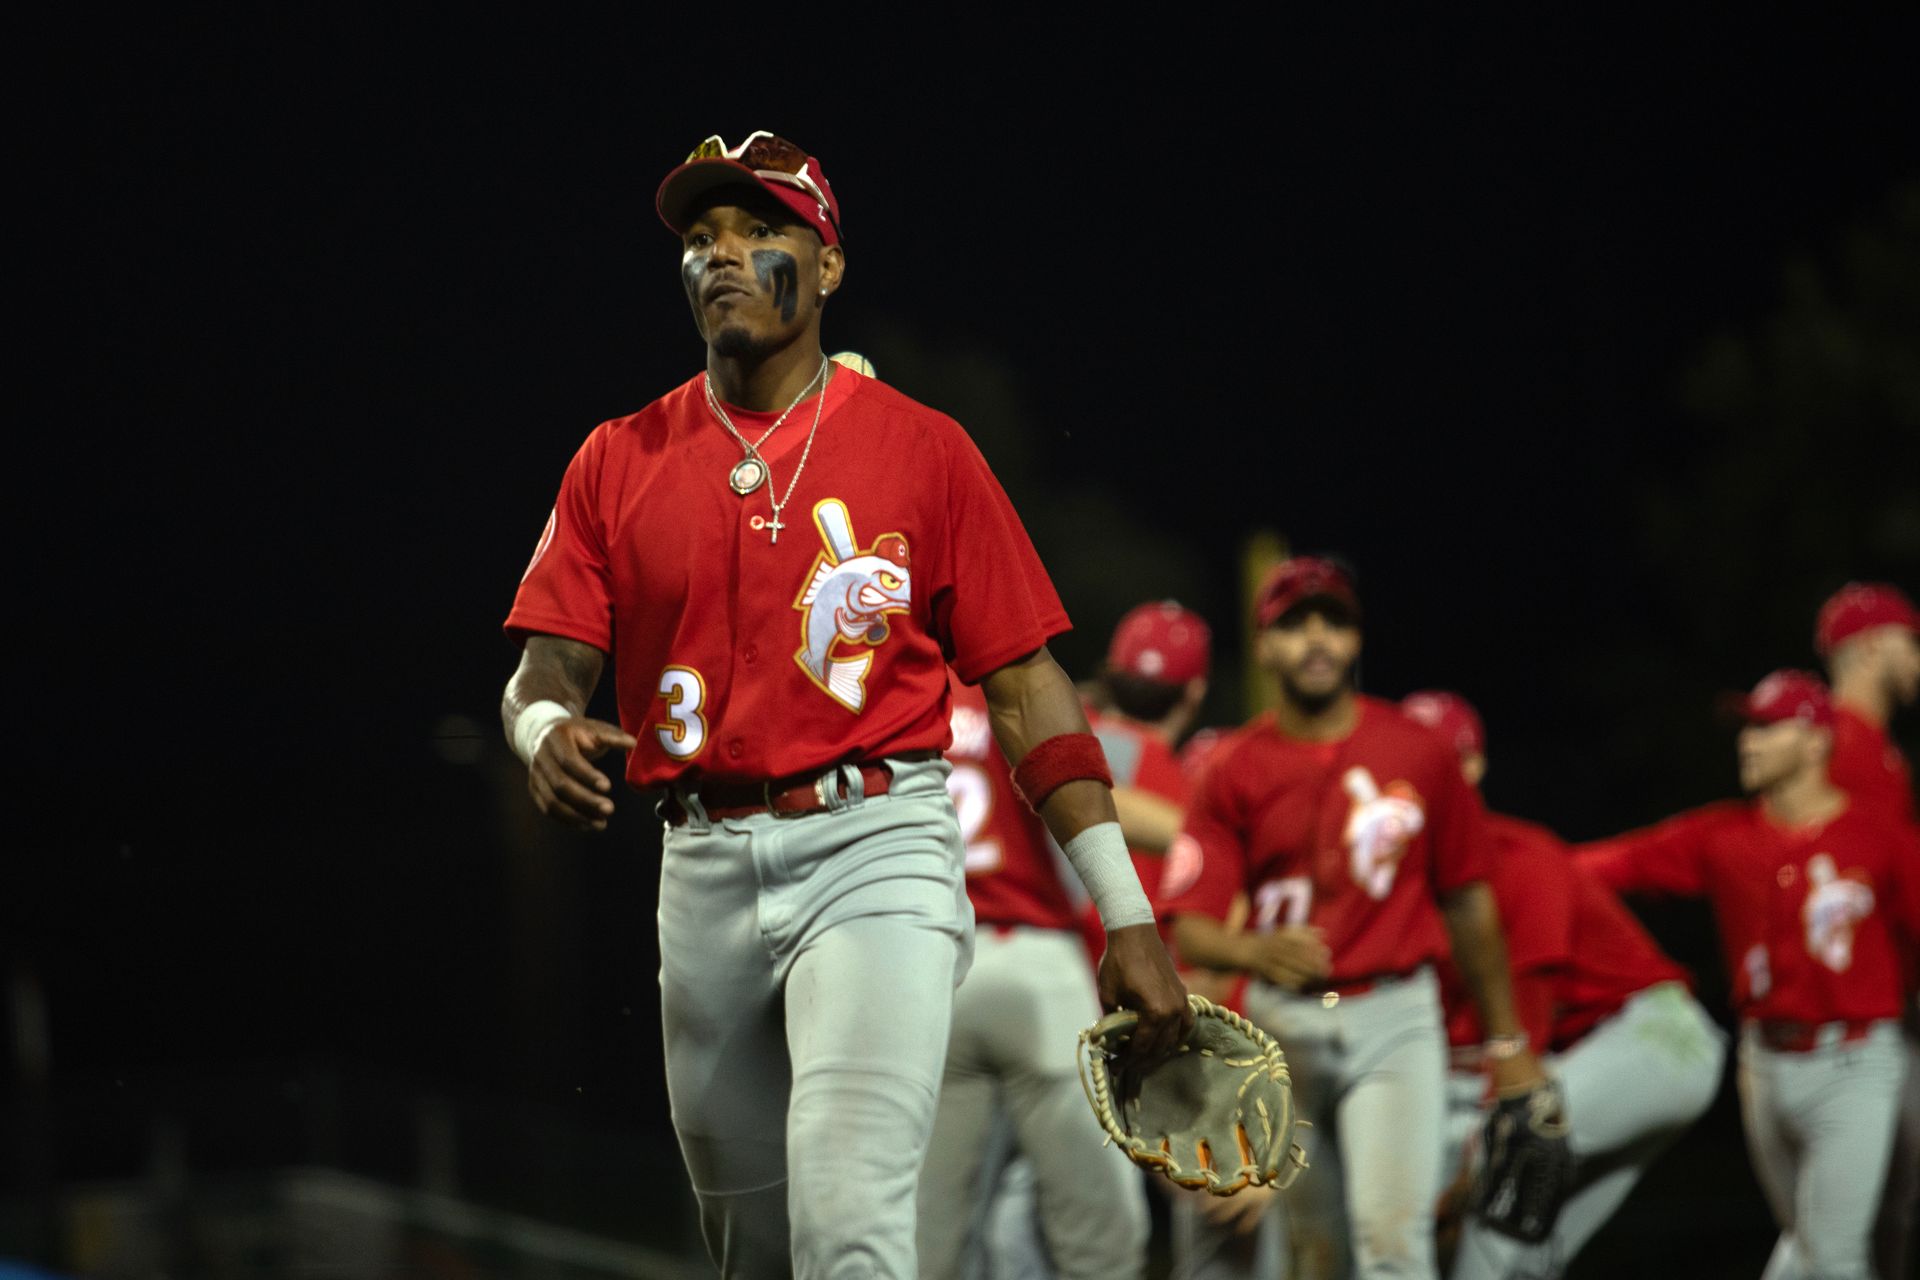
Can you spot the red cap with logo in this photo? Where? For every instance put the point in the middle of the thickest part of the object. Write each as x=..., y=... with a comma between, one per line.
x=1298, y=580
x=1861, y=606
x=1162, y=642
x=770, y=163
x=1449, y=715
x=1786, y=695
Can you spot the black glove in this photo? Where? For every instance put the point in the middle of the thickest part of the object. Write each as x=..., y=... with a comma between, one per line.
x=1528, y=1172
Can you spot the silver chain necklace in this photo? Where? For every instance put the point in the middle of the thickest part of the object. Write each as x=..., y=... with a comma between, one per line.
x=752, y=471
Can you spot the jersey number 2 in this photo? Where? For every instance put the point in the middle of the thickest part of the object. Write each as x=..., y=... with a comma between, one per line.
x=972, y=793
x=685, y=729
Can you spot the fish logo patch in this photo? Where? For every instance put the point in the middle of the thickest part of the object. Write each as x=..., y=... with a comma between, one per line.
x=845, y=604
x=1837, y=901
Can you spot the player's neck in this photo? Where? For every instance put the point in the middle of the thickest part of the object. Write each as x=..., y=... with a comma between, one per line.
x=766, y=381
x=1805, y=798
x=1861, y=690
x=1329, y=723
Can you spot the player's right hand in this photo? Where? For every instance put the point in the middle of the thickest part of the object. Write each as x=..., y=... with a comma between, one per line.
x=1290, y=956
x=565, y=785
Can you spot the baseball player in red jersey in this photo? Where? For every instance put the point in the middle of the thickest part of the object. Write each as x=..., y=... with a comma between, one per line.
x=1028, y=993
x=1152, y=686
x=1363, y=851
x=1869, y=635
x=782, y=556
x=1813, y=896
x=1633, y=1053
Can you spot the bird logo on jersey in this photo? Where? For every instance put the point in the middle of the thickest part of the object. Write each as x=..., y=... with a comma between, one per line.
x=1378, y=828
x=848, y=595
x=1836, y=903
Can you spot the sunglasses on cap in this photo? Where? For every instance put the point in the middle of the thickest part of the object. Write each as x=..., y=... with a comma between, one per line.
x=772, y=159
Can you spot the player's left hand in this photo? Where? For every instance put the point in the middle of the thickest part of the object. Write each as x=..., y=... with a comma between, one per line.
x=1136, y=973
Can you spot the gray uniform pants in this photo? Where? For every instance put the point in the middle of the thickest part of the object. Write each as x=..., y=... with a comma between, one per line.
x=1369, y=1074
x=1632, y=1084
x=1015, y=1020
x=1820, y=1130
x=807, y=973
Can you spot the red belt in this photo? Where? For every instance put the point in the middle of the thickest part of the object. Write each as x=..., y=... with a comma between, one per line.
x=1358, y=986
x=785, y=797
x=1804, y=1037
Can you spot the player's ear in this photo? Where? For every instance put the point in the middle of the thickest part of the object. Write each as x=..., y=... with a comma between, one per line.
x=833, y=268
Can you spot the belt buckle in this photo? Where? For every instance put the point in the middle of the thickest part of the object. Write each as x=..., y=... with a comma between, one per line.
x=819, y=792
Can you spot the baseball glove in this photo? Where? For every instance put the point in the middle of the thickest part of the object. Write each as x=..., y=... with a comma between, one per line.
x=1528, y=1172
x=1217, y=1115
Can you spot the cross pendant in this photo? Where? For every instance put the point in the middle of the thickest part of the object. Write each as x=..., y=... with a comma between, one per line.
x=775, y=525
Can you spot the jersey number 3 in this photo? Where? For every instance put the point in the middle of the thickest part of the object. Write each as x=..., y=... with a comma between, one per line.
x=684, y=731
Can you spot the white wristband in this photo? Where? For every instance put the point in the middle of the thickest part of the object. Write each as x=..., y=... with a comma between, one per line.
x=533, y=724
x=1099, y=857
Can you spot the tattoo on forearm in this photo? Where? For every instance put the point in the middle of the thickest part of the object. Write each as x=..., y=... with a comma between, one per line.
x=780, y=276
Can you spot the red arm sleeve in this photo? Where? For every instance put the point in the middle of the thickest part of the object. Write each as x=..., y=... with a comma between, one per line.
x=1668, y=858
x=566, y=590
x=993, y=602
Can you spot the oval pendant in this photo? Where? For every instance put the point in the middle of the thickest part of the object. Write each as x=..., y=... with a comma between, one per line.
x=747, y=475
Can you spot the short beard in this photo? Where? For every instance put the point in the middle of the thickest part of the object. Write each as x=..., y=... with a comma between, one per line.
x=734, y=342
x=1314, y=704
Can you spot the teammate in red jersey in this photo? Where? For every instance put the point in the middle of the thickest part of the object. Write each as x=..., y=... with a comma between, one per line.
x=1813, y=895
x=1012, y=1048
x=1153, y=684
x=1635, y=1056
x=1867, y=633
x=783, y=556
x=1363, y=851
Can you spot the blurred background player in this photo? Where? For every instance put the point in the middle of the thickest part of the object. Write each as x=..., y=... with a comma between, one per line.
x=1011, y=1083
x=1151, y=689
x=1812, y=895
x=1868, y=633
x=1362, y=851
x=1635, y=1056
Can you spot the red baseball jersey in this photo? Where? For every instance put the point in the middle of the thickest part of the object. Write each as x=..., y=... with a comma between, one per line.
x=1808, y=916
x=741, y=657
x=1356, y=837
x=1868, y=766
x=1013, y=876
x=1576, y=953
x=1140, y=758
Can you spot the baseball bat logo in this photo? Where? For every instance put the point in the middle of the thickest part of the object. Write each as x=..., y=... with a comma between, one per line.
x=848, y=595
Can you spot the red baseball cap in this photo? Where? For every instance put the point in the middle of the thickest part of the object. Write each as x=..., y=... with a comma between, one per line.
x=771, y=163
x=1861, y=606
x=1786, y=695
x=1162, y=642
x=1449, y=715
x=1298, y=580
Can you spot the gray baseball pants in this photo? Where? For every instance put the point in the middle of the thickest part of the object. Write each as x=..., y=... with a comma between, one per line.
x=1369, y=1074
x=807, y=968
x=1632, y=1085
x=1015, y=1020
x=1820, y=1131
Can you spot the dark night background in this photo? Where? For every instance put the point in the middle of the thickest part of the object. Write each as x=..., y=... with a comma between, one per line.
x=1596, y=346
